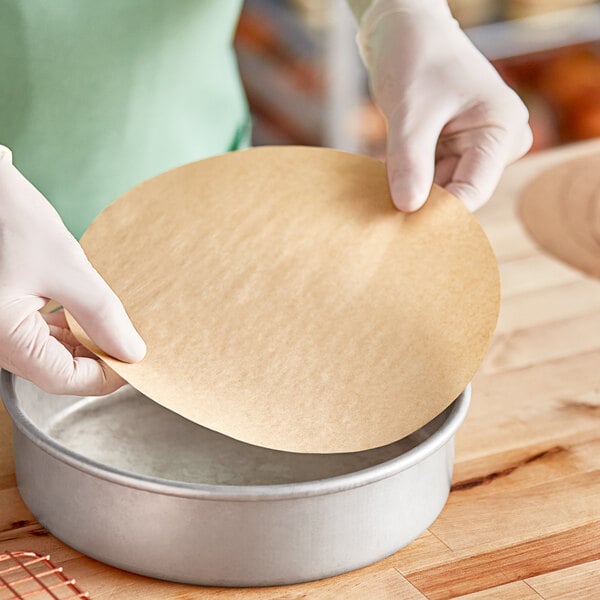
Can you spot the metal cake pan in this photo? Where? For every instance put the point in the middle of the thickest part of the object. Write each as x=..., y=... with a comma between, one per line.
x=136, y=486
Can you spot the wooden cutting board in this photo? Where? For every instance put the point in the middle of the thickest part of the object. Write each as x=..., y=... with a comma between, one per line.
x=523, y=519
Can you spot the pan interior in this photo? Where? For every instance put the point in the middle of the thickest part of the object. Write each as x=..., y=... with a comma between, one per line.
x=127, y=431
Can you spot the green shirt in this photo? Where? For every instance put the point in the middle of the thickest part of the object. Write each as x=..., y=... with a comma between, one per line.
x=98, y=95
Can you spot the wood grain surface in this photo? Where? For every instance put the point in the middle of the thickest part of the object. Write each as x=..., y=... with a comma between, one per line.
x=523, y=519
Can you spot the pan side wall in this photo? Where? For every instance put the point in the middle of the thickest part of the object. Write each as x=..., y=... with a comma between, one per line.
x=231, y=542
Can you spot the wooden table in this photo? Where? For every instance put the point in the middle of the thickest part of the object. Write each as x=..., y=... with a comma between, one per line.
x=523, y=520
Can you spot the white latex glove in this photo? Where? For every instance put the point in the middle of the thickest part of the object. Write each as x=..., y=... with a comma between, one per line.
x=451, y=118
x=41, y=260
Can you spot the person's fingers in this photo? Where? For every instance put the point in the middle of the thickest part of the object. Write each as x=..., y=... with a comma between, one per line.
x=98, y=310
x=522, y=143
x=410, y=161
x=517, y=120
x=475, y=178
x=482, y=156
x=56, y=318
x=59, y=329
x=44, y=360
x=444, y=169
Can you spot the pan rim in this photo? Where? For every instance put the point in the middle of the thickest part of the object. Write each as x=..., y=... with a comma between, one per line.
x=204, y=491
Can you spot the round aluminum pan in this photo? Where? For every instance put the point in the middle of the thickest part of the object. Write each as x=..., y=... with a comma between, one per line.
x=134, y=485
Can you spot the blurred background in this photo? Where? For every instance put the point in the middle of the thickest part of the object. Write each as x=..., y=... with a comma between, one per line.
x=306, y=84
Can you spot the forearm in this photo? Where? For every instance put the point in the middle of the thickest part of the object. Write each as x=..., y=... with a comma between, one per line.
x=375, y=9
x=370, y=13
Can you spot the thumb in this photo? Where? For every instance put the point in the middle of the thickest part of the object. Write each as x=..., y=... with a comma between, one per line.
x=410, y=160
x=82, y=292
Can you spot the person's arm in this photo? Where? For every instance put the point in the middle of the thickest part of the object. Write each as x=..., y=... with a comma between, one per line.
x=451, y=118
x=41, y=260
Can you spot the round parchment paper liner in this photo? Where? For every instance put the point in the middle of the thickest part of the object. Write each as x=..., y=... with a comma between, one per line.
x=559, y=209
x=577, y=205
x=286, y=303
x=595, y=216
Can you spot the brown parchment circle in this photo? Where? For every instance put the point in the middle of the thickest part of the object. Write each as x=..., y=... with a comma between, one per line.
x=286, y=303
x=577, y=204
x=595, y=209
x=558, y=209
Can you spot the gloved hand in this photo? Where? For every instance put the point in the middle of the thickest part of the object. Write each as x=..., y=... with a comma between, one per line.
x=451, y=118
x=39, y=260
